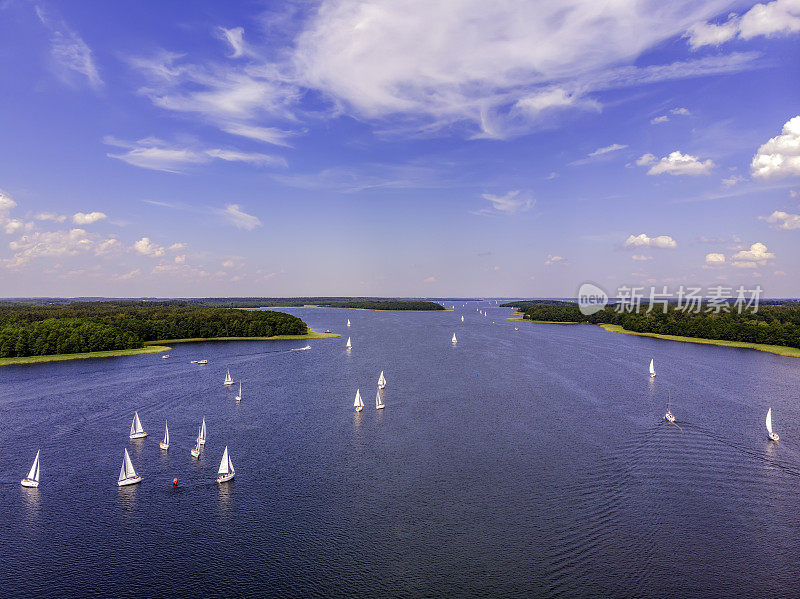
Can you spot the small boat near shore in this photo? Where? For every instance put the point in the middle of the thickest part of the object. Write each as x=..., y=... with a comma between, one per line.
x=652, y=368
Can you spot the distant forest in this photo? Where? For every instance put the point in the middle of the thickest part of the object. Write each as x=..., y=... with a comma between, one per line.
x=773, y=324
x=37, y=330
x=370, y=303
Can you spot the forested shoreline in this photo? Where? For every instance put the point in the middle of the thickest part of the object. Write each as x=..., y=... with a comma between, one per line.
x=774, y=324
x=37, y=330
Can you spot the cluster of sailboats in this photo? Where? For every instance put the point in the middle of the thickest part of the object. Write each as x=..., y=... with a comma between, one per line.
x=128, y=474
x=358, y=404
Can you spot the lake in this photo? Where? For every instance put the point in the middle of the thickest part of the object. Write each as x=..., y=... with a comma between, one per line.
x=517, y=463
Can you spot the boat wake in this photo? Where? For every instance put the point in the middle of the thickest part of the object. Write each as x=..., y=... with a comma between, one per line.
x=300, y=348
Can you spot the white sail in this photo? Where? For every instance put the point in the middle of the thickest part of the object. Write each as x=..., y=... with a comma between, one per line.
x=202, y=434
x=358, y=403
x=652, y=368
x=239, y=397
x=378, y=401
x=136, y=426
x=769, y=421
x=34, y=472
x=225, y=465
x=127, y=470
x=462, y=319
x=228, y=378
x=230, y=465
x=349, y=345
x=381, y=381
x=348, y=322
x=166, y=434
x=454, y=340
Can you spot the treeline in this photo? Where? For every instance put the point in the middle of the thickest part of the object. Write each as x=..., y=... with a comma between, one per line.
x=36, y=330
x=776, y=324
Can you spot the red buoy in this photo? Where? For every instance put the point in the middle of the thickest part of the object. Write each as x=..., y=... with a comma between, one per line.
x=175, y=482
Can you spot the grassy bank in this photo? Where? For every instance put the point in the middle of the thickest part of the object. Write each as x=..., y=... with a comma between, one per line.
x=781, y=350
x=154, y=347
x=150, y=349
x=540, y=321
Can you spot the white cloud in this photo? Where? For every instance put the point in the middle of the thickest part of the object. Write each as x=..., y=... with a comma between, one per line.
x=553, y=259
x=40, y=244
x=680, y=111
x=770, y=19
x=780, y=156
x=235, y=37
x=240, y=219
x=87, y=218
x=607, y=149
x=641, y=257
x=147, y=248
x=429, y=280
x=70, y=53
x=51, y=216
x=489, y=69
x=782, y=220
x=675, y=163
x=180, y=259
x=714, y=259
x=155, y=154
x=127, y=276
x=732, y=180
x=510, y=203
x=756, y=256
x=674, y=112
x=659, y=119
x=642, y=240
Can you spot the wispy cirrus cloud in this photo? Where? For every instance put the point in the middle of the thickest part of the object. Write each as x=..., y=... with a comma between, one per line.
x=71, y=56
x=769, y=19
x=510, y=203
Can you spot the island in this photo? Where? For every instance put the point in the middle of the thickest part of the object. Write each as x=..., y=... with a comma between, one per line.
x=774, y=327
x=97, y=329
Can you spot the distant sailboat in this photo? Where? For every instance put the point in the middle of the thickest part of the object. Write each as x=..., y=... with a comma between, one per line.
x=668, y=416
x=137, y=432
x=165, y=443
x=32, y=480
x=381, y=381
x=195, y=451
x=165, y=356
x=228, y=379
x=127, y=475
x=652, y=368
x=239, y=396
x=349, y=344
x=454, y=340
x=202, y=361
x=348, y=322
x=773, y=436
x=379, y=405
x=226, y=471
x=462, y=319
x=203, y=432
x=358, y=404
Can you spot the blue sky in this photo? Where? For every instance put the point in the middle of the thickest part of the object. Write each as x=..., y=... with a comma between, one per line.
x=398, y=148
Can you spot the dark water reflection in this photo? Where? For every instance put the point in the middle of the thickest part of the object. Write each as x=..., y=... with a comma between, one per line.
x=516, y=463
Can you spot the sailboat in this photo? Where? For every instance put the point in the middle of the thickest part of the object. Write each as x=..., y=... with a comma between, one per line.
x=195, y=451
x=348, y=322
x=652, y=368
x=773, y=436
x=462, y=319
x=32, y=480
x=165, y=443
x=349, y=345
x=202, y=435
x=668, y=416
x=358, y=404
x=127, y=475
x=381, y=381
x=379, y=405
x=239, y=397
x=228, y=380
x=454, y=340
x=226, y=471
x=137, y=432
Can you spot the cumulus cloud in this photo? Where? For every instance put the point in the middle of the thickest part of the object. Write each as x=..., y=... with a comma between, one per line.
x=756, y=256
x=156, y=154
x=782, y=220
x=38, y=244
x=147, y=248
x=70, y=53
x=239, y=218
x=642, y=240
x=552, y=260
x=87, y=218
x=780, y=156
x=770, y=19
x=675, y=163
x=50, y=216
x=714, y=259
x=510, y=203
